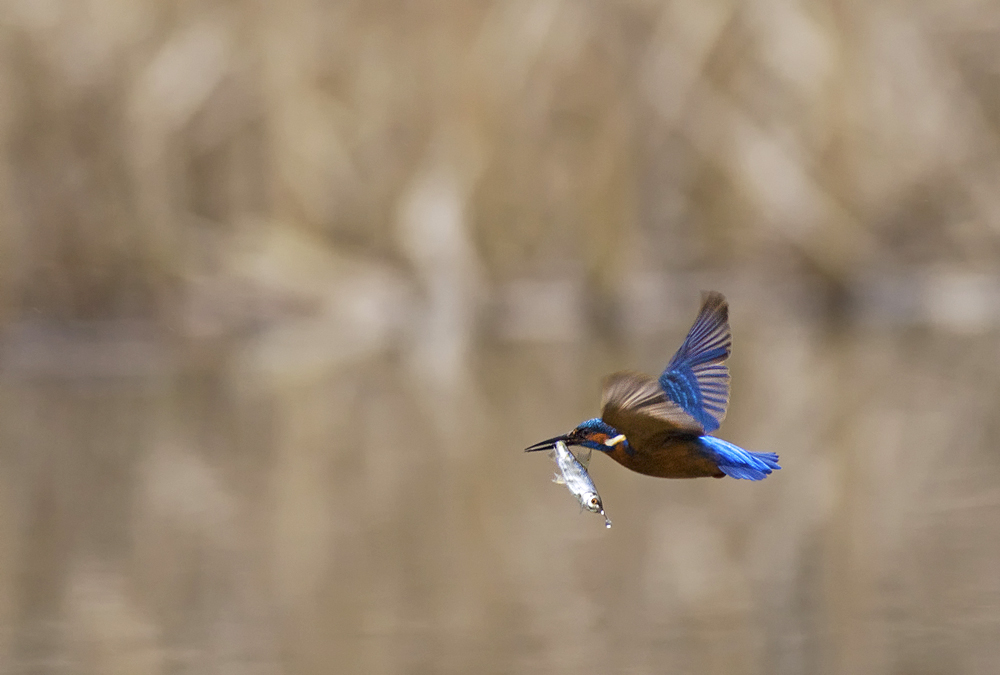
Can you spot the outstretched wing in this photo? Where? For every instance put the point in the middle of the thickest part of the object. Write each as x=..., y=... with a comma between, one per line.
x=636, y=406
x=697, y=378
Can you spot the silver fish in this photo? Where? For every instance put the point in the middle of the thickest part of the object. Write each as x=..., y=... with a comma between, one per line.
x=573, y=474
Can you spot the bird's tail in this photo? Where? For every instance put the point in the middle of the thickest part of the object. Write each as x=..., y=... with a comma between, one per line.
x=736, y=462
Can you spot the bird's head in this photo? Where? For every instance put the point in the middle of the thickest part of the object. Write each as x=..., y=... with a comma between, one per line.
x=595, y=434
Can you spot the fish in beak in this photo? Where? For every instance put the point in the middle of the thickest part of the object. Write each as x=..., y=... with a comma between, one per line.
x=550, y=444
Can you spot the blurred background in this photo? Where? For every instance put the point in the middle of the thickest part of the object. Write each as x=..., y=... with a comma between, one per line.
x=285, y=289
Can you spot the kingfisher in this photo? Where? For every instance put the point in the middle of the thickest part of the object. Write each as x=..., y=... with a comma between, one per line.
x=661, y=426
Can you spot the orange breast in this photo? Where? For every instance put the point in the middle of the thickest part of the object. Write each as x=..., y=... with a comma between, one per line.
x=673, y=458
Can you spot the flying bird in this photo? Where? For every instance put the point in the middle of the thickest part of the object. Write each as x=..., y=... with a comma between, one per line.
x=661, y=426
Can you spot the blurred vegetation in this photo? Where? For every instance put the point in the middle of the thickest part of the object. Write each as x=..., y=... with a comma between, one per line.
x=285, y=288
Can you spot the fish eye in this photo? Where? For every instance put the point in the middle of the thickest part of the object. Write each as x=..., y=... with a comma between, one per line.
x=595, y=502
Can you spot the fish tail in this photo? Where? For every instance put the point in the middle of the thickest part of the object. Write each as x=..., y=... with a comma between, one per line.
x=736, y=462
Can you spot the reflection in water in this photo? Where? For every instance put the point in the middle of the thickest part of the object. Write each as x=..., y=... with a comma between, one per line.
x=286, y=288
x=194, y=515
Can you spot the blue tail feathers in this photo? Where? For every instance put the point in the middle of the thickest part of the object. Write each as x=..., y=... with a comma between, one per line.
x=736, y=462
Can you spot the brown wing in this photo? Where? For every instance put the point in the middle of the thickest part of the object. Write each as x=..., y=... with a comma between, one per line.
x=635, y=405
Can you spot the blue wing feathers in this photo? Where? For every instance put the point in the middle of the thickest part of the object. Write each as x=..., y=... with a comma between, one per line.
x=736, y=462
x=697, y=378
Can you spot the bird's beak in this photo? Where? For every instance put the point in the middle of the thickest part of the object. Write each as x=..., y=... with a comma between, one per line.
x=549, y=444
